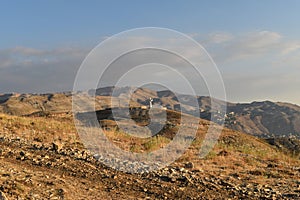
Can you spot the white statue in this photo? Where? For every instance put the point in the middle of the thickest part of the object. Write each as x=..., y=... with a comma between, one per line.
x=150, y=102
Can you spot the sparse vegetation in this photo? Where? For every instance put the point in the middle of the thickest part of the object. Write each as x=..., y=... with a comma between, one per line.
x=52, y=145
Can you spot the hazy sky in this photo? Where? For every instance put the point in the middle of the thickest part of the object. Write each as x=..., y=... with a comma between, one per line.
x=255, y=44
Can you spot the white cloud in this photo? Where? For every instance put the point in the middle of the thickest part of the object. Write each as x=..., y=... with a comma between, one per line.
x=24, y=69
x=261, y=39
x=219, y=37
x=26, y=51
x=256, y=66
x=245, y=46
x=5, y=60
x=290, y=47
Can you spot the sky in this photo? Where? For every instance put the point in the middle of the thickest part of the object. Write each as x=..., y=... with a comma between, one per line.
x=255, y=44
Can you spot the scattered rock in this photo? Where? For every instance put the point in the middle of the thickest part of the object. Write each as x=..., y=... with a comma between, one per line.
x=223, y=153
x=189, y=165
x=2, y=196
x=272, y=165
x=57, y=146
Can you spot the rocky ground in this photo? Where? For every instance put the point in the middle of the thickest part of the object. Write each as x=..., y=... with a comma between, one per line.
x=31, y=171
x=37, y=169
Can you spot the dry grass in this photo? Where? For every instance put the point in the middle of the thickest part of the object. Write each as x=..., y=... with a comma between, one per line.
x=39, y=129
x=242, y=149
x=135, y=144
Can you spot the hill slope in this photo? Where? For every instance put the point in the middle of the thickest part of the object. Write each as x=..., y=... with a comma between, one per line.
x=262, y=119
x=43, y=158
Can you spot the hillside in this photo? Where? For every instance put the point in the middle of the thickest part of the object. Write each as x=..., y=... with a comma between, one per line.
x=43, y=158
x=263, y=119
x=267, y=119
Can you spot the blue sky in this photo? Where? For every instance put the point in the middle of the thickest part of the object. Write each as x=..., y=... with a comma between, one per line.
x=251, y=41
x=44, y=23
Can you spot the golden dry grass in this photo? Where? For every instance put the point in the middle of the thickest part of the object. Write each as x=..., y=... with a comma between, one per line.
x=242, y=149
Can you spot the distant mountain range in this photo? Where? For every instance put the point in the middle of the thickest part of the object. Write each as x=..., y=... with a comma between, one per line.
x=263, y=119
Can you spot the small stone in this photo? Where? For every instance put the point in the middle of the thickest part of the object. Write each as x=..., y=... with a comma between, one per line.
x=2, y=196
x=189, y=165
x=271, y=165
x=22, y=153
x=267, y=190
x=57, y=146
x=114, y=176
x=223, y=153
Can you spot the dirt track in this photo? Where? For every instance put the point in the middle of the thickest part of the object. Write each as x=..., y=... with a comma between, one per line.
x=33, y=171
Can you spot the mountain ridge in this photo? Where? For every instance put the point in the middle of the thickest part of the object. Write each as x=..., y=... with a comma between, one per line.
x=262, y=119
